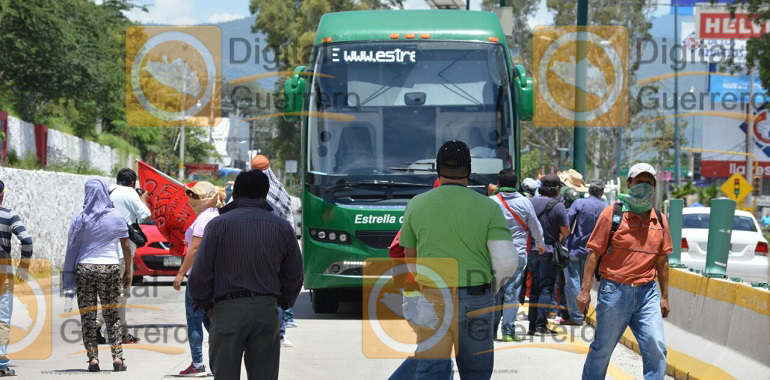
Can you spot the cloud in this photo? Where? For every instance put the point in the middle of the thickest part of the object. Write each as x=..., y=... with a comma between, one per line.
x=167, y=12
x=218, y=17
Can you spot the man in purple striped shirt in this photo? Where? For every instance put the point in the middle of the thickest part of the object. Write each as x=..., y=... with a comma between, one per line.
x=248, y=264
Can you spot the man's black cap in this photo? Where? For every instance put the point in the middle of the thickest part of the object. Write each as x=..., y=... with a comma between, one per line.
x=454, y=155
x=550, y=180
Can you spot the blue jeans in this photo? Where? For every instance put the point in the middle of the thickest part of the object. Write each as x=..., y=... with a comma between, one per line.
x=573, y=277
x=474, y=335
x=509, y=295
x=196, y=320
x=620, y=306
x=6, y=309
x=282, y=320
x=543, y=278
x=408, y=369
x=288, y=315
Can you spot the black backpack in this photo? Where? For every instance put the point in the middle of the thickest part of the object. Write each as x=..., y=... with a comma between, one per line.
x=560, y=257
x=617, y=218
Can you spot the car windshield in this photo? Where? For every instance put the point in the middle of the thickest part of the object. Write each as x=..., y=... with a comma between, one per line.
x=701, y=221
x=401, y=101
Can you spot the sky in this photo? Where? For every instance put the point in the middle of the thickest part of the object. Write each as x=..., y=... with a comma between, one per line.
x=192, y=12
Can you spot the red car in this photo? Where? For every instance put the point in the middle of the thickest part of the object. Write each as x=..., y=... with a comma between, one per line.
x=155, y=259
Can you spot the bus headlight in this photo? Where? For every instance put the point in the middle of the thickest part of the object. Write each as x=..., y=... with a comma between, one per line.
x=347, y=268
x=329, y=236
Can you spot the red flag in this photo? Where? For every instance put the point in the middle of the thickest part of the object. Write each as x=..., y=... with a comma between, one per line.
x=170, y=207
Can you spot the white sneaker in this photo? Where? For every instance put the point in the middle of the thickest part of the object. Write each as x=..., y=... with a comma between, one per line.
x=286, y=343
x=291, y=325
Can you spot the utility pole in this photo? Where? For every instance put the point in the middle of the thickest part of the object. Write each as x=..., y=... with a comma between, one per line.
x=579, y=134
x=182, y=108
x=676, y=97
x=750, y=130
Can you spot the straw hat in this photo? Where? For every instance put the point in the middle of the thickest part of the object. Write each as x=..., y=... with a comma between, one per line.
x=572, y=178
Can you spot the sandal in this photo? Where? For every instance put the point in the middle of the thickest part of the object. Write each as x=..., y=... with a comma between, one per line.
x=93, y=367
x=119, y=367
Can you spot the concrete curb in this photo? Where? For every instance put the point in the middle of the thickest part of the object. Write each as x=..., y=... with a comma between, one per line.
x=680, y=365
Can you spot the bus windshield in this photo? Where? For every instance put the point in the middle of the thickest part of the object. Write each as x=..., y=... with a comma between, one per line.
x=381, y=110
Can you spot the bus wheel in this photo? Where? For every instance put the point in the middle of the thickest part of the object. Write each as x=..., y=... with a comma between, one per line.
x=325, y=301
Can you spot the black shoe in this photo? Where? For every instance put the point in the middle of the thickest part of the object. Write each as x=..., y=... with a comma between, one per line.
x=531, y=333
x=545, y=331
x=119, y=367
x=100, y=339
x=7, y=372
x=130, y=339
x=93, y=367
x=570, y=323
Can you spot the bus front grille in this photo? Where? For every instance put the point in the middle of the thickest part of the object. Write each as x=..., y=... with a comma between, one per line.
x=377, y=239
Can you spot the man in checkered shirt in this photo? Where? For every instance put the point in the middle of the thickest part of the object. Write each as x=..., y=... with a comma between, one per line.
x=280, y=200
x=10, y=224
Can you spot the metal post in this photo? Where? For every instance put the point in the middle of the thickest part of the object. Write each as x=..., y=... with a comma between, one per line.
x=675, y=207
x=720, y=232
x=676, y=97
x=467, y=5
x=181, y=131
x=751, y=171
x=579, y=135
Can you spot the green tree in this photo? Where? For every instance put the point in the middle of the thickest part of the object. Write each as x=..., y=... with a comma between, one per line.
x=602, y=142
x=63, y=49
x=757, y=48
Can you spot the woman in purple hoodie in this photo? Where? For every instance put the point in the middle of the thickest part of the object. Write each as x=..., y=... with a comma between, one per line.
x=98, y=240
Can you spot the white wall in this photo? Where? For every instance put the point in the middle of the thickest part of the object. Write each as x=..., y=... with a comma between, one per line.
x=46, y=202
x=64, y=148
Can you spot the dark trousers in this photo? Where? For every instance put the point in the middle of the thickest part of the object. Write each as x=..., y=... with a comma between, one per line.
x=540, y=295
x=245, y=329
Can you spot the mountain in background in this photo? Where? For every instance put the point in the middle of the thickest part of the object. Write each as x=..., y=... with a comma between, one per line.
x=234, y=33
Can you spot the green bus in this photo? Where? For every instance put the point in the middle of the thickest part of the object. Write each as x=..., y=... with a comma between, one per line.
x=383, y=90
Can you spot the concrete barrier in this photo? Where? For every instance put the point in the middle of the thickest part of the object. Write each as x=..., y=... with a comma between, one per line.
x=717, y=329
x=46, y=202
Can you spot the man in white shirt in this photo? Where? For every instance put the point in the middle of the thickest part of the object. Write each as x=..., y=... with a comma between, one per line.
x=134, y=208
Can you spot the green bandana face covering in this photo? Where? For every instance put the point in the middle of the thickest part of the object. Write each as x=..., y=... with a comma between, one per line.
x=504, y=190
x=639, y=198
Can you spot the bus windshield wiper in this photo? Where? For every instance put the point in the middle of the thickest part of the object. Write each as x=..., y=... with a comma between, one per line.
x=378, y=183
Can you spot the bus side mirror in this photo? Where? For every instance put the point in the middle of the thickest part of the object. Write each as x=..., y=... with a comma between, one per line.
x=294, y=95
x=524, y=93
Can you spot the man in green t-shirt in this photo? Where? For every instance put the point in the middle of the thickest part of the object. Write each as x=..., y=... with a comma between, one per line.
x=454, y=222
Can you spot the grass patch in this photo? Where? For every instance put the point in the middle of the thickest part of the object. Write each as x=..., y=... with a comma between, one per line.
x=119, y=143
x=30, y=162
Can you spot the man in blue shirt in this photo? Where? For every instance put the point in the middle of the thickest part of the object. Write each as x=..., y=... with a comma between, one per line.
x=583, y=216
x=553, y=218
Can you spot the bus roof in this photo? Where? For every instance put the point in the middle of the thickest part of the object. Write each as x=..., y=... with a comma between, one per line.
x=379, y=25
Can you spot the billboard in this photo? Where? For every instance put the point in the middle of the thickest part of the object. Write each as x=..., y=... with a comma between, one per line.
x=730, y=136
x=737, y=87
x=716, y=23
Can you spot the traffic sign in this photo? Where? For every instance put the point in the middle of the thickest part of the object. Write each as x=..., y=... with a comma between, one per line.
x=736, y=188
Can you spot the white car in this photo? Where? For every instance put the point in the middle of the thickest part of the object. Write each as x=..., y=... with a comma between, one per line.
x=748, y=252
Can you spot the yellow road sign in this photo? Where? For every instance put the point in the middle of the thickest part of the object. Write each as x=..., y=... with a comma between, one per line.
x=736, y=187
